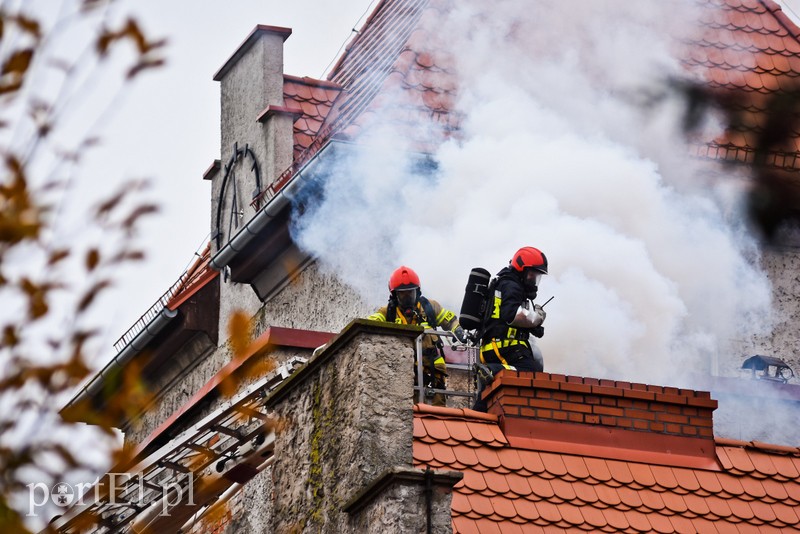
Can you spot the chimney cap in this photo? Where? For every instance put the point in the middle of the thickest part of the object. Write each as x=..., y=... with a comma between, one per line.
x=257, y=32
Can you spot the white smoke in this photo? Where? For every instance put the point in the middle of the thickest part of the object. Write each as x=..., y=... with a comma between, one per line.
x=650, y=274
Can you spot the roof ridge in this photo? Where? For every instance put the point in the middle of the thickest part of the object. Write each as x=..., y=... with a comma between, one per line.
x=758, y=445
x=783, y=19
x=307, y=80
x=440, y=412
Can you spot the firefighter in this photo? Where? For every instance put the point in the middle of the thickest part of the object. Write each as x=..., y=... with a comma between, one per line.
x=408, y=306
x=506, y=336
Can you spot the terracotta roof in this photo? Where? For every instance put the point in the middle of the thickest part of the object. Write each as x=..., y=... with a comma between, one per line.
x=312, y=100
x=748, y=53
x=195, y=278
x=522, y=487
x=388, y=60
x=391, y=60
x=747, y=47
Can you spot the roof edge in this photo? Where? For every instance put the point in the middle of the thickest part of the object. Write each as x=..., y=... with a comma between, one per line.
x=598, y=442
x=782, y=18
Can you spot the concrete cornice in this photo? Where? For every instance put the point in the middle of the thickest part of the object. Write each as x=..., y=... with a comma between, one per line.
x=355, y=328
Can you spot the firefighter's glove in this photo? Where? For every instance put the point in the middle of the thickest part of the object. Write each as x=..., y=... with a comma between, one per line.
x=528, y=315
x=538, y=309
x=461, y=336
x=538, y=331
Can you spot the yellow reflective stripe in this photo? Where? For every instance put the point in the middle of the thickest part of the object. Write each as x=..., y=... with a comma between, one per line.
x=505, y=343
x=497, y=353
x=377, y=316
x=496, y=310
x=438, y=360
x=445, y=316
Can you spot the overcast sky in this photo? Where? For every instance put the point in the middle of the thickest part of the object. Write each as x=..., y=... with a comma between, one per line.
x=166, y=126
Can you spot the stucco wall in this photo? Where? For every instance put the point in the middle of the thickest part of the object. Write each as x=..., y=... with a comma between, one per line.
x=783, y=266
x=315, y=300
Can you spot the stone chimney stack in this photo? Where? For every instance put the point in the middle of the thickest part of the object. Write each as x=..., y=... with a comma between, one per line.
x=254, y=150
x=343, y=457
x=604, y=418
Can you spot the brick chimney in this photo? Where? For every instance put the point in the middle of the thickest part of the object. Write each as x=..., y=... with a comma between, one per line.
x=605, y=418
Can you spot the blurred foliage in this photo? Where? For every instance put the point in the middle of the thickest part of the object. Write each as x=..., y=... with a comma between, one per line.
x=763, y=130
x=50, y=288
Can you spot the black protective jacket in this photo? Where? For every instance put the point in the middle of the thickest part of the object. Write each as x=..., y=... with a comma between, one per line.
x=512, y=343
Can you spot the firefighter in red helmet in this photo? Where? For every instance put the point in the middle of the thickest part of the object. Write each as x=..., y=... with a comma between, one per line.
x=506, y=337
x=407, y=306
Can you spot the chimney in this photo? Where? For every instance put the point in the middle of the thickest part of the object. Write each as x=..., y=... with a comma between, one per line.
x=253, y=152
x=605, y=418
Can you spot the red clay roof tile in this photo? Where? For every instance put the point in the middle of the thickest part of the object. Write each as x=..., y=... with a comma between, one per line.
x=563, y=489
x=510, y=459
x=674, y=502
x=775, y=489
x=532, y=461
x=741, y=509
x=652, y=500
x=608, y=495
x=629, y=497
x=686, y=479
x=793, y=490
x=496, y=482
x=488, y=457
x=661, y=523
x=487, y=526
x=443, y=453
x=638, y=521
x=598, y=469
x=526, y=509
x=731, y=484
x=696, y=504
x=786, y=514
x=541, y=488
x=518, y=484
x=504, y=507
x=467, y=456
x=585, y=492
x=642, y=475
x=719, y=506
x=474, y=480
x=480, y=504
x=594, y=517
x=763, y=511
x=754, y=487
x=553, y=463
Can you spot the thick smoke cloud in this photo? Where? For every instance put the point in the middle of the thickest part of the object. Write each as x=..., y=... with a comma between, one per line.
x=652, y=271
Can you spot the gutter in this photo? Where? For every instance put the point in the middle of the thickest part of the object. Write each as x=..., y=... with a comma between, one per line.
x=275, y=206
x=153, y=328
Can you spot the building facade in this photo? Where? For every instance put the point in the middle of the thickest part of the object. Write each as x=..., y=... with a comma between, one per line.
x=310, y=427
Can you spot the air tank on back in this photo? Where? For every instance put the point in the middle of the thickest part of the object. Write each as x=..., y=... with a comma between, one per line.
x=476, y=298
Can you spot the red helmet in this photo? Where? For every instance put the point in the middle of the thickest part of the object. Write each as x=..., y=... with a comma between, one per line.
x=403, y=278
x=529, y=257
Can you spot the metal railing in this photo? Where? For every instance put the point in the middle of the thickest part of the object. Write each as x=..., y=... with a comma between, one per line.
x=426, y=393
x=153, y=311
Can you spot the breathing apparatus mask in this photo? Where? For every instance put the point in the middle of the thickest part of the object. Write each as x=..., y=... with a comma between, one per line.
x=530, y=281
x=406, y=300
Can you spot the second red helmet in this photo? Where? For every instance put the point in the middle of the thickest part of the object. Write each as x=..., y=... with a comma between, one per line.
x=529, y=257
x=403, y=278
